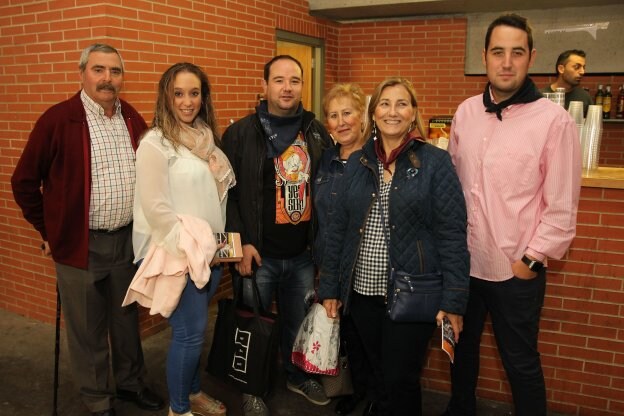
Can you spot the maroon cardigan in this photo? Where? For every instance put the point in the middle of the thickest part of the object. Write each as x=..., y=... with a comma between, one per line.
x=52, y=180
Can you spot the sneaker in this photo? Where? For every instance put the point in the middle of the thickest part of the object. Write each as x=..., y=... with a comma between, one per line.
x=254, y=406
x=205, y=405
x=311, y=390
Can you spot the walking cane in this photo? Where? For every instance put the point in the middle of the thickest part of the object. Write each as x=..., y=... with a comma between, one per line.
x=57, y=352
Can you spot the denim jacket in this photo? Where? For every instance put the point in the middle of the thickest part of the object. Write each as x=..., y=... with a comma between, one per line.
x=324, y=190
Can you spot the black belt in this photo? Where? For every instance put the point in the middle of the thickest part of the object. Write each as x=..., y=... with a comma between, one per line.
x=116, y=230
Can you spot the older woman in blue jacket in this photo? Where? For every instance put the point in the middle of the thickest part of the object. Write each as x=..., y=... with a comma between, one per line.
x=344, y=107
x=400, y=206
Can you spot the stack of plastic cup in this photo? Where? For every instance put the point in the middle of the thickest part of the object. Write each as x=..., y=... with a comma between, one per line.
x=576, y=111
x=555, y=97
x=560, y=96
x=591, y=136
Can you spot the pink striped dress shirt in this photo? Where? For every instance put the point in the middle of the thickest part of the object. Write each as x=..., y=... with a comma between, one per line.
x=521, y=179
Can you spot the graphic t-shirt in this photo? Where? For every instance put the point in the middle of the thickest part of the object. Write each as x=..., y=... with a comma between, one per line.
x=287, y=205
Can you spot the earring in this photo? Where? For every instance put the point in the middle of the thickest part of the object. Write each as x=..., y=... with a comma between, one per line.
x=374, y=129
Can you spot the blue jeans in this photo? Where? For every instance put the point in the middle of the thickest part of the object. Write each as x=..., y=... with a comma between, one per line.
x=292, y=280
x=188, y=327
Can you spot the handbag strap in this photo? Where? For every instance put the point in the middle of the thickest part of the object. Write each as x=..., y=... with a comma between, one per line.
x=411, y=172
x=386, y=233
x=384, y=224
x=256, y=305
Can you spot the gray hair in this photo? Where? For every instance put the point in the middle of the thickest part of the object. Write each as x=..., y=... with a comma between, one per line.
x=97, y=47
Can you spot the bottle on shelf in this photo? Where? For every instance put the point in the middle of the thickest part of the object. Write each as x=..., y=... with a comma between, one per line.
x=619, y=107
x=606, y=103
x=599, y=95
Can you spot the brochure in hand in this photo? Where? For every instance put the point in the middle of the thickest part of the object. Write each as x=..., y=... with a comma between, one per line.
x=233, y=250
x=448, y=339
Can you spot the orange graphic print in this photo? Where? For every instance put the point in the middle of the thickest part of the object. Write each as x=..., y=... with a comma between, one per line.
x=292, y=184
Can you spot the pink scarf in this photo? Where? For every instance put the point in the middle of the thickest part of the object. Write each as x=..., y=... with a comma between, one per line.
x=200, y=141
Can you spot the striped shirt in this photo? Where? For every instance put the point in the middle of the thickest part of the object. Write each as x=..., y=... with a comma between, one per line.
x=371, y=267
x=112, y=167
x=521, y=179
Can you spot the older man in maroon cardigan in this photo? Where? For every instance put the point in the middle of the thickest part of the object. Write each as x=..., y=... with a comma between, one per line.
x=75, y=185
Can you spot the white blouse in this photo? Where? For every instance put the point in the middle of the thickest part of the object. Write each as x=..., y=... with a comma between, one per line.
x=170, y=182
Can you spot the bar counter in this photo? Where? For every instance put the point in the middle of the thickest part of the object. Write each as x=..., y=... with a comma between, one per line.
x=604, y=177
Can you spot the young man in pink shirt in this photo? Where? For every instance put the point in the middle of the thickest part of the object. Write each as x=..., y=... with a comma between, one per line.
x=518, y=159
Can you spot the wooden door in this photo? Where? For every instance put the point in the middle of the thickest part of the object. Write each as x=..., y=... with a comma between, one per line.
x=302, y=53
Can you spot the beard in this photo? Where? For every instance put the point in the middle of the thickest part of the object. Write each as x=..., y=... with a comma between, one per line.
x=573, y=81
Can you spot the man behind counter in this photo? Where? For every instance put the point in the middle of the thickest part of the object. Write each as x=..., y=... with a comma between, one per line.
x=570, y=68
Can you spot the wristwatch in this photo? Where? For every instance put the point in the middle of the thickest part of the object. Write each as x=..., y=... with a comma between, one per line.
x=534, y=265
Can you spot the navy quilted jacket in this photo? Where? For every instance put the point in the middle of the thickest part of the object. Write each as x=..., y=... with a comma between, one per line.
x=427, y=221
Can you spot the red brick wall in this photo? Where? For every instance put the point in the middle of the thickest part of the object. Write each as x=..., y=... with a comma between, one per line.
x=40, y=46
x=612, y=146
x=582, y=340
x=582, y=326
x=430, y=53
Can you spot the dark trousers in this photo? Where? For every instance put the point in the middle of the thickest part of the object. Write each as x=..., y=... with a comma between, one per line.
x=396, y=353
x=358, y=362
x=514, y=307
x=91, y=301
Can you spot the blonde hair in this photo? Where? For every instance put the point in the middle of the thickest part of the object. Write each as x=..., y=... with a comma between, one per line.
x=346, y=90
x=391, y=82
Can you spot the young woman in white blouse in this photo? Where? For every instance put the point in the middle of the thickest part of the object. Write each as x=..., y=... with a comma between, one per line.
x=181, y=171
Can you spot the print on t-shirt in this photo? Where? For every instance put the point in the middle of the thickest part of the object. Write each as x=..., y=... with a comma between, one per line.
x=292, y=178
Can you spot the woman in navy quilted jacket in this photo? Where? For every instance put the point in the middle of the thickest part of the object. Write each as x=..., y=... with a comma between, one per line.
x=344, y=107
x=400, y=207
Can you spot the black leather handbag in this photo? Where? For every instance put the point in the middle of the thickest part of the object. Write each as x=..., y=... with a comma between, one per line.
x=414, y=298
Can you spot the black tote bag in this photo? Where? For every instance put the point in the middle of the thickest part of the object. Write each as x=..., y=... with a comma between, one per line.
x=245, y=343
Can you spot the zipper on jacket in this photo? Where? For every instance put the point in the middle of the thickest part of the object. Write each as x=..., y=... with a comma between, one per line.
x=364, y=162
x=421, y=259
x=260, y=202
x=387, y=232
x=260, y=199
x=357, y=253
